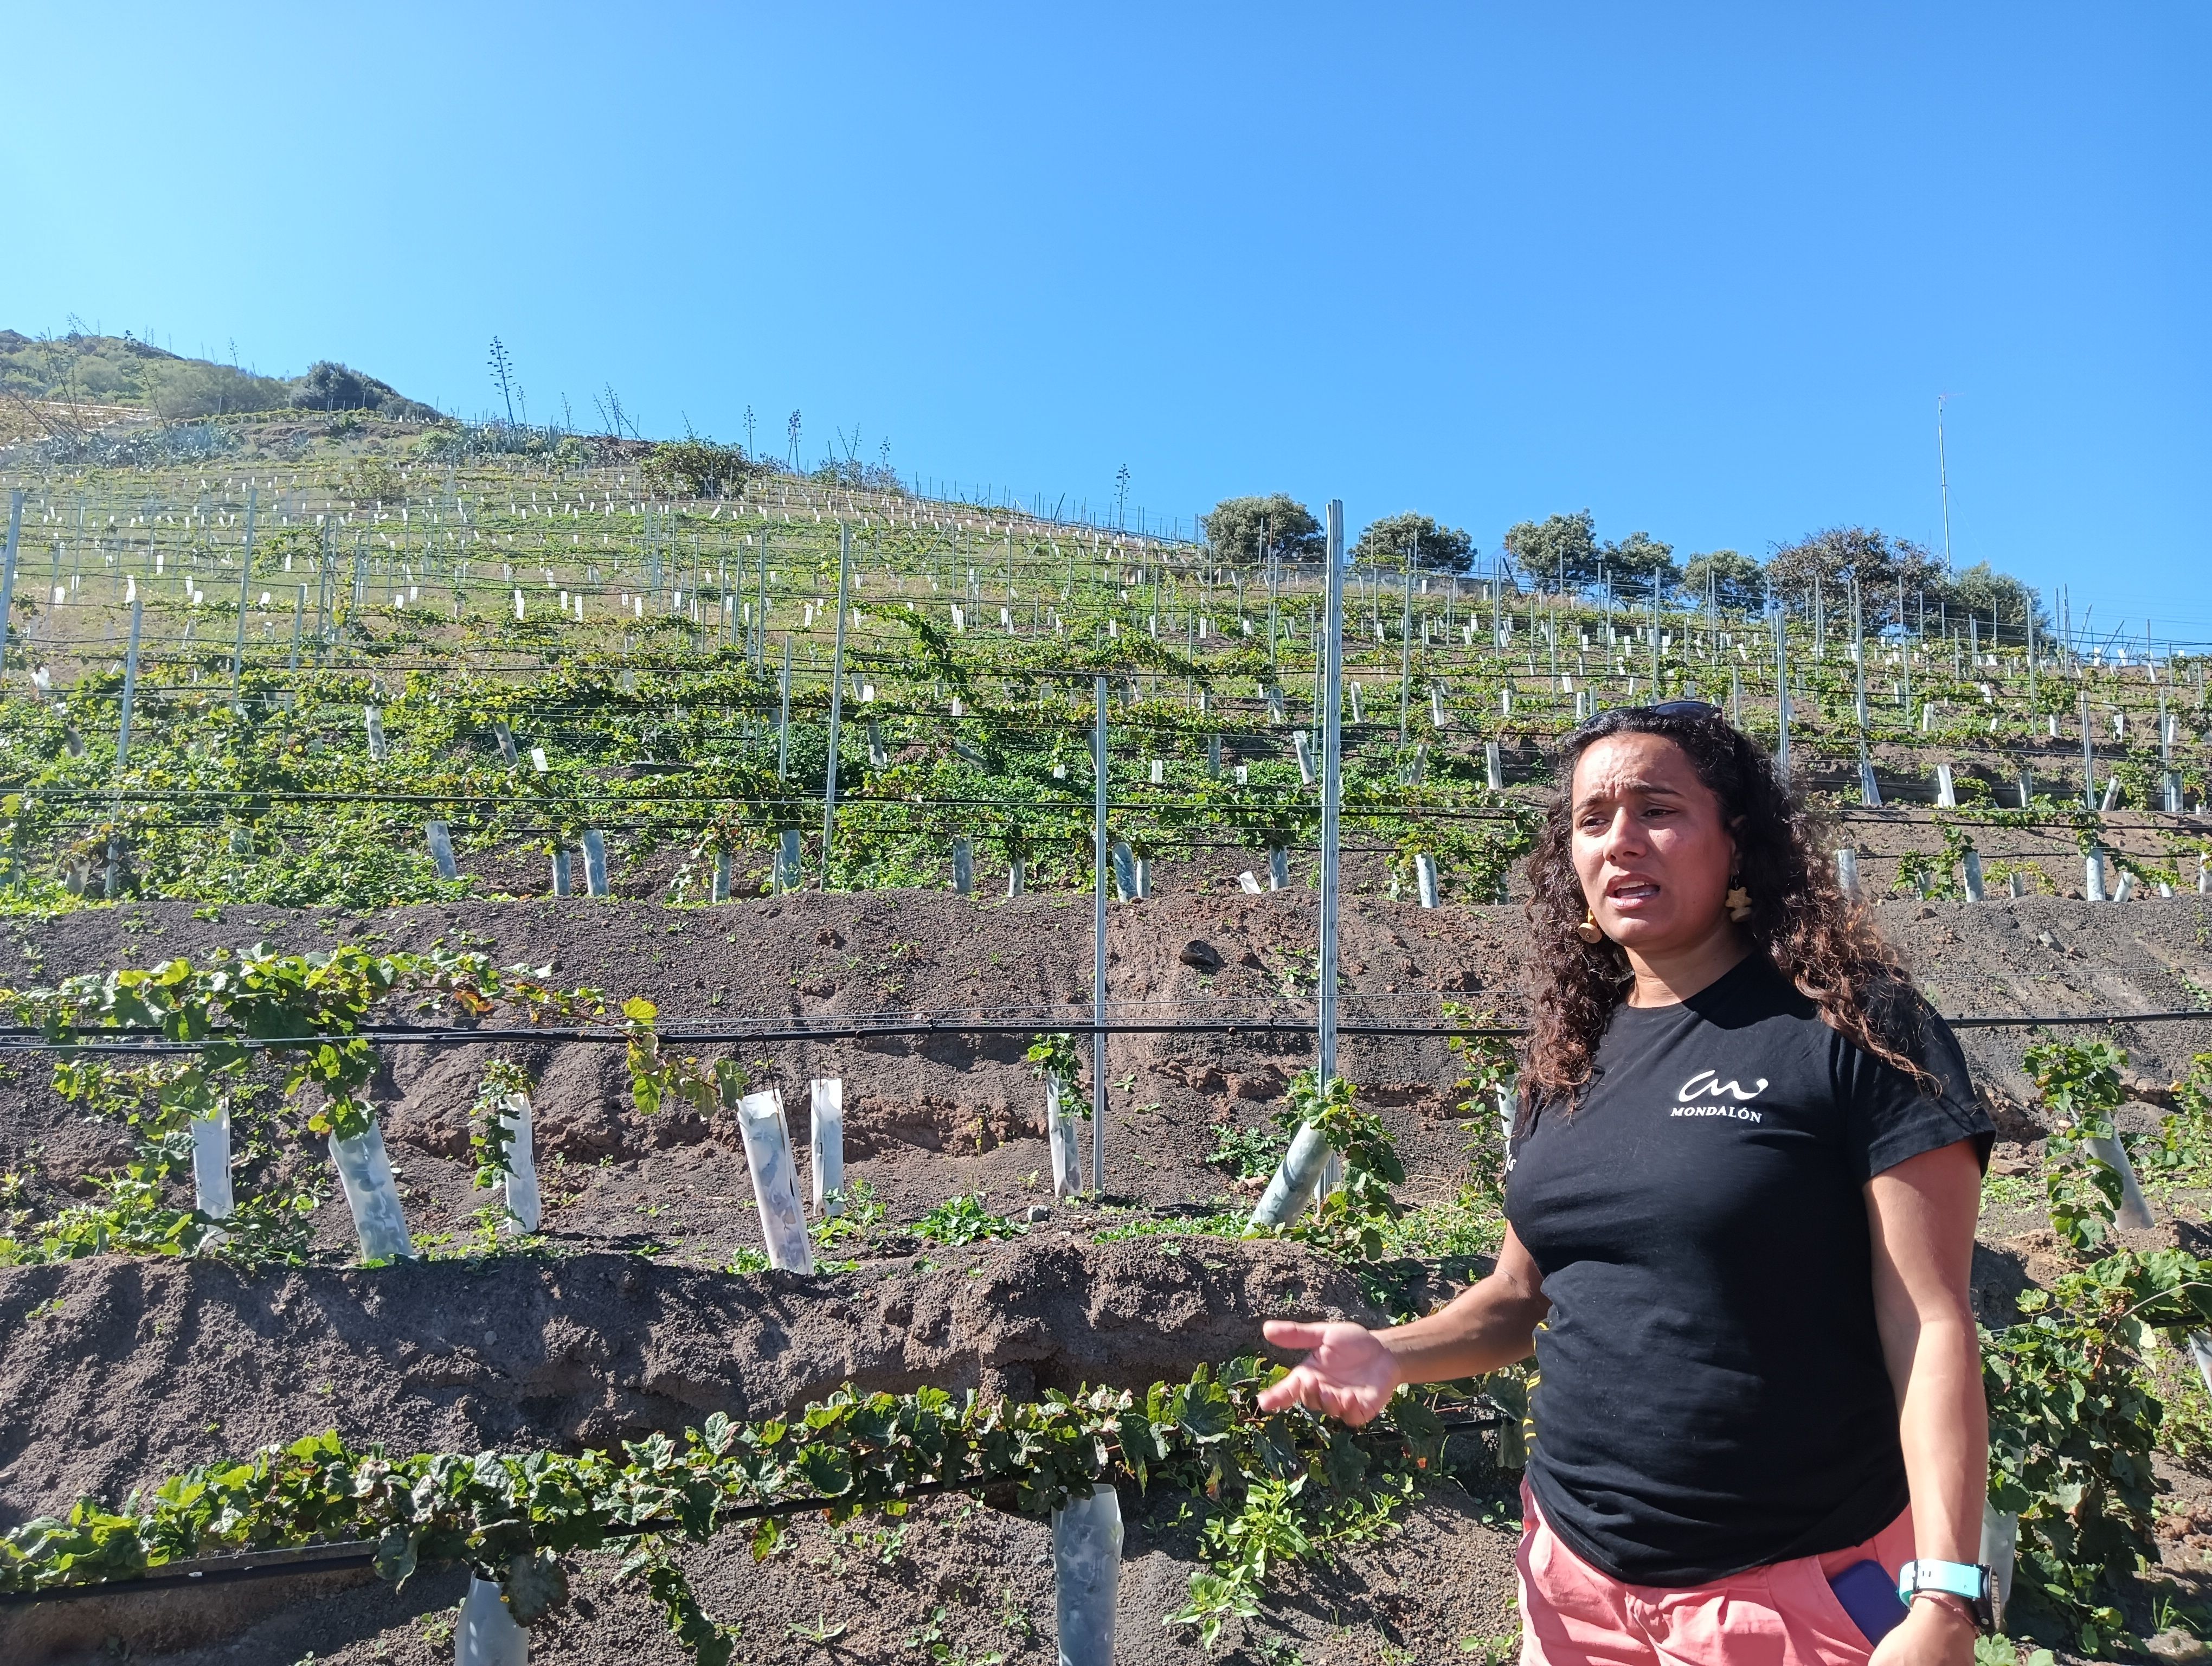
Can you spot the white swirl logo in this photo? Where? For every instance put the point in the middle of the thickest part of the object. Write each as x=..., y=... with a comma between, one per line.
x=1707, y=1084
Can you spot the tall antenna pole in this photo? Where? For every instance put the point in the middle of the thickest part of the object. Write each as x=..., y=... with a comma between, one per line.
x=1943, y=479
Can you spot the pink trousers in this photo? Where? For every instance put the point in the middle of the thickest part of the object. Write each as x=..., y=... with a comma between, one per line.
x=1782, y=1616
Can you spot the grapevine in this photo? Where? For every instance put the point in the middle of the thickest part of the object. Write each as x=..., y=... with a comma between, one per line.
x=518, y=1519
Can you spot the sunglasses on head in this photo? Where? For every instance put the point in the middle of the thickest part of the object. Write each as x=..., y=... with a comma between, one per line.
x=1703, y=710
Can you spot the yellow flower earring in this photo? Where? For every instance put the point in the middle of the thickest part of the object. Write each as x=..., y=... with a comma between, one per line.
x=1739, y=903
x=1589, y=931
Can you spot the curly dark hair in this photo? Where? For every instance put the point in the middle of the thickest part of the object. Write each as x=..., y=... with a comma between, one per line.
x=1815, y=933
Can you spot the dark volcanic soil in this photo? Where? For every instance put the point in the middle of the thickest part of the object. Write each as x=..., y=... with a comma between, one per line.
x=930, y=1116
x=117, y=1371
x=114, y=1372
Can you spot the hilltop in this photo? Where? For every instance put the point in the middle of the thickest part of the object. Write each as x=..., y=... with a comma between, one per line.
x=61, y=385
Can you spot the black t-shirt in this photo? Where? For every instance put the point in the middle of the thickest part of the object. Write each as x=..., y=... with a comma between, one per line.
x=1712, y=1395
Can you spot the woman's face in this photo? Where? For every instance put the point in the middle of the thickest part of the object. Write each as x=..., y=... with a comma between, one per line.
x=1650, y=848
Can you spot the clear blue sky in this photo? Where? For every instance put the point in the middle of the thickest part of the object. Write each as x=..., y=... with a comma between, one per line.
x=1702, y=270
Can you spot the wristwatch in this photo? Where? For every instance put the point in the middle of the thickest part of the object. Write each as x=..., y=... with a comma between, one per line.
x=1971, y=1582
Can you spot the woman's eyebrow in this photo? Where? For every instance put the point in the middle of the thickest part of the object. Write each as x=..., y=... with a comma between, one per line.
x=1616, y=789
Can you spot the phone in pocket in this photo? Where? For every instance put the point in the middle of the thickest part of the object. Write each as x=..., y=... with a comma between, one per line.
x=1869, y=1596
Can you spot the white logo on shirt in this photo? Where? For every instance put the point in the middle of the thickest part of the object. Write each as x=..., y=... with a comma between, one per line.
x=1707, y=1083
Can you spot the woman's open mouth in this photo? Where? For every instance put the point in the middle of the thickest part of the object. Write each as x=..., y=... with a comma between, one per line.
x=1632, y=893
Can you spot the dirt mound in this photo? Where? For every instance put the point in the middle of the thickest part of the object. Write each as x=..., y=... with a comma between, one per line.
x=114, y=1372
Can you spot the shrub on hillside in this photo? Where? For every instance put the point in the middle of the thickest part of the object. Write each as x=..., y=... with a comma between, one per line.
x=693, y=467
x=1435, y=549
x=1247, y=529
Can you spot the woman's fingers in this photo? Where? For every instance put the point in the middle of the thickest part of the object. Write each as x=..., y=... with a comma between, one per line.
x=1294, y=1334
x=1342, y=1376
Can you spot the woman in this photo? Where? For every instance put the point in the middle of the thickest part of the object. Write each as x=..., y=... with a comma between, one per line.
x=1740, y=1205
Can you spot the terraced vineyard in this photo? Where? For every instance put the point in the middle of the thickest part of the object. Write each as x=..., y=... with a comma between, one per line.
x=479, y=809
x=524, y=650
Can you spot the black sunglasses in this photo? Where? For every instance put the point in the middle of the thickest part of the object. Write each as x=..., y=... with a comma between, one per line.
x=1703, y=710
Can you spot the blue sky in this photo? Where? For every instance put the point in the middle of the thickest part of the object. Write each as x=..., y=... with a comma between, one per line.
x=1702, y=270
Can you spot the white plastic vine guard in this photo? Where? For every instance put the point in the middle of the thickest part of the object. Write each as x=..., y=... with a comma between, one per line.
x=1295, y=1179
x=524, y=1209
x=1066, y=1140
x=365, y=1172
x=1125, y=872
x=2134, y=1212
x=440, y=837
x=1086, y=1569
x=486, y=1633
x=775, y=1182
x=1424, y=873
x=595, y=862
x=828, y=1145
x=211, y=1193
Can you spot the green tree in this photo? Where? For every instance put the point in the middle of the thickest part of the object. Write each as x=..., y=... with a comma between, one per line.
x=1633, y=562
x=1436, y=549
x=328, y=386
x=1841, y=554
x=1733, y=581
x=1560, y=552
x=1989, y=595
x=1246, y=529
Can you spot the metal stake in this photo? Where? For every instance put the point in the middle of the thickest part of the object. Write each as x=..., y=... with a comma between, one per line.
x=1404, y=646
x=783, y=718
x=837, y=695
x=1781, y=688
x=245, y=587
x=1332, y=784
x=1098, y=937
x=760, y=608
x=129, y=683
x=7, y=573
x=114, y=881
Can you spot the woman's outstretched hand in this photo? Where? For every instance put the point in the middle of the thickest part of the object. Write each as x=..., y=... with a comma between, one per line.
x=1348, y=1374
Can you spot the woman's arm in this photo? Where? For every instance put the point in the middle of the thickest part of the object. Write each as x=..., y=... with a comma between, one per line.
x=1922, y=1213
x=1352, y=1372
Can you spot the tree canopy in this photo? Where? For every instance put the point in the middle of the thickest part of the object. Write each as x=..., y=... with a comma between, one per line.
x=1993, y=597
x=1562, y=552
x=1633, y=562
x=1735, y=581
x=1436, y=549
x=1246, y=529
x=1559, y=552
x=1841, y=554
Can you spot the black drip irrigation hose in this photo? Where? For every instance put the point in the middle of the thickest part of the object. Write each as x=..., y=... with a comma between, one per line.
x=18, y=1039
x=361, y=1553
